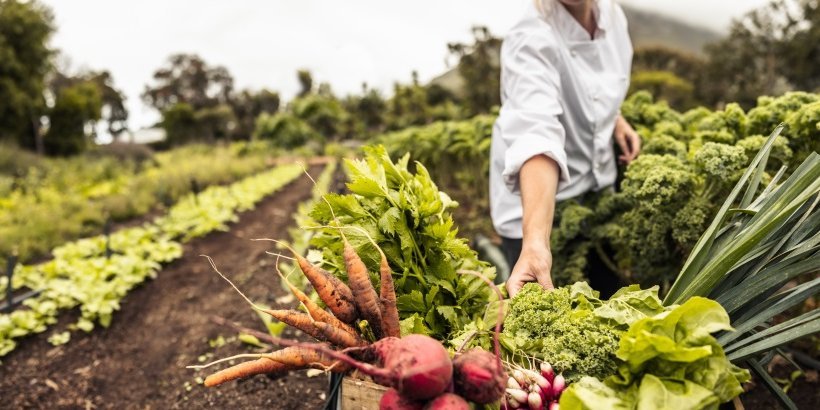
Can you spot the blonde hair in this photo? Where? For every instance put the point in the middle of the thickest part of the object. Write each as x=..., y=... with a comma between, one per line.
x=546, y=7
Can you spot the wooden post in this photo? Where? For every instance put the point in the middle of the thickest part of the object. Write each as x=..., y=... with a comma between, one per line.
x=195, y=189
x=10, y=264
x=107, y=233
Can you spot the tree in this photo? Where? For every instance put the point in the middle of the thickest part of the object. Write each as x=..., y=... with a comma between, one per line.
x=480, y=67
x=215, y=123
x=114, y=112
x=369, y=109
x=75, y=109
x=769, y=50
x=179, y=123
x=25, y=59
x=305, y=82
x=408, y=106
x=247, y=106
x=188, y=79
x=322, y=112
x=801, y=51
x=285, y=130
x=195, y=99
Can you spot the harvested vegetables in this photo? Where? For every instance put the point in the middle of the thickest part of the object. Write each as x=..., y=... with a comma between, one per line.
x=668, y=361
x=409, y=220
x=533, y=389
x=572, y=329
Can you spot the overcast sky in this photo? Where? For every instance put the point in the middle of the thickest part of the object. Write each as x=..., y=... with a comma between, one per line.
x=264, y=42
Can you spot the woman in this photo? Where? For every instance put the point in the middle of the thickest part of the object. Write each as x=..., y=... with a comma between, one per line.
x=565, y=73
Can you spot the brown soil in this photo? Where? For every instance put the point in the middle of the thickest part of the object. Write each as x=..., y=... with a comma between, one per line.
x=804, y=392
x=164, y=325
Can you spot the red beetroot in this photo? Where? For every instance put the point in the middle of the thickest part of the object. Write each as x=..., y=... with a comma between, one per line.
x=478, y=377
x=448, y=401
x=418, y=366
x=392, y=400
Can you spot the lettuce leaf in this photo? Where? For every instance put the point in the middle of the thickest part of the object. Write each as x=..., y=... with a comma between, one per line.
x=669, y=361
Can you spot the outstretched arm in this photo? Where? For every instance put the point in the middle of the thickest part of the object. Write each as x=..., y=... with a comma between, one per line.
x=538, y=180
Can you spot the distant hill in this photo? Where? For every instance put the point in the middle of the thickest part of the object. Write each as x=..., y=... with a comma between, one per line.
x=648, y=28
x=645, y=28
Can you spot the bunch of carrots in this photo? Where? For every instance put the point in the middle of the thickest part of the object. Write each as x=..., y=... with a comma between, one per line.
x=347, y=304
x=418, y=368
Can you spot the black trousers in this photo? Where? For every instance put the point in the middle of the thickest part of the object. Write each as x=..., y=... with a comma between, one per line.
x=598, y=274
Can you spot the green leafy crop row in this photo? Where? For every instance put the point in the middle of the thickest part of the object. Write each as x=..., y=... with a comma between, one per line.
x=81, y=276
x=666, y=197
x=46, y=202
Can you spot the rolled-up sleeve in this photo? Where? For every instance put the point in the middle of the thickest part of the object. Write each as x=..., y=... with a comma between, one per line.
x=528, y=122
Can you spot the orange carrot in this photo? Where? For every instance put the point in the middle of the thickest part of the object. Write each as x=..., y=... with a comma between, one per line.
x=298, y=320
x=333, y=292
x=339, y=336
x=387, y=295
x=316, y=312
x=246, y=369
x=367, y=301
x=318, y=330
x=289, y=358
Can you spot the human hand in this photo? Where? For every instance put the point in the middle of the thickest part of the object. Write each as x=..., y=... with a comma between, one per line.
x=533, y=265
x=627, y=139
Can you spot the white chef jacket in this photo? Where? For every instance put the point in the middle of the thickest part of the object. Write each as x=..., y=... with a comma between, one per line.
x=561, y=92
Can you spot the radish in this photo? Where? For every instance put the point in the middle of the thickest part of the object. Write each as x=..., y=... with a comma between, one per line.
x=537, y=378
x=448, y=401
x=519, y=376
x=519, y=396
x=547, y=371
x=554, y=406
x=513, y=384
x=392, y=400
x=558, y=386
x=534, y=401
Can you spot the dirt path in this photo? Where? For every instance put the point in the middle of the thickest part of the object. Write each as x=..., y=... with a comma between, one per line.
x=164, y=325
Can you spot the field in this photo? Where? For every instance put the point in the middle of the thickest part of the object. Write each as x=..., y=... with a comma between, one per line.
x=180, y=238
x=140, y=359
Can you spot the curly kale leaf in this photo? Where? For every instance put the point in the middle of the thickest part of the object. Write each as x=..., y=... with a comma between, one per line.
x=572, y=329
x=658, y=179
x=665, y=144
x=574, y=341
x=720, y=161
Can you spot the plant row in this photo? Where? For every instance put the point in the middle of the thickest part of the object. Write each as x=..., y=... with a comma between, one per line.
x=46, y=202
x=663, y=201
x=83, y=276
x=299, y=235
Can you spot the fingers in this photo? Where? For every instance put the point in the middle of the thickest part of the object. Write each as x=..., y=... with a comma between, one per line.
x=514, y=286
x=636, y=144
x=630, y=144
x=545, y=280
x=620, y=138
